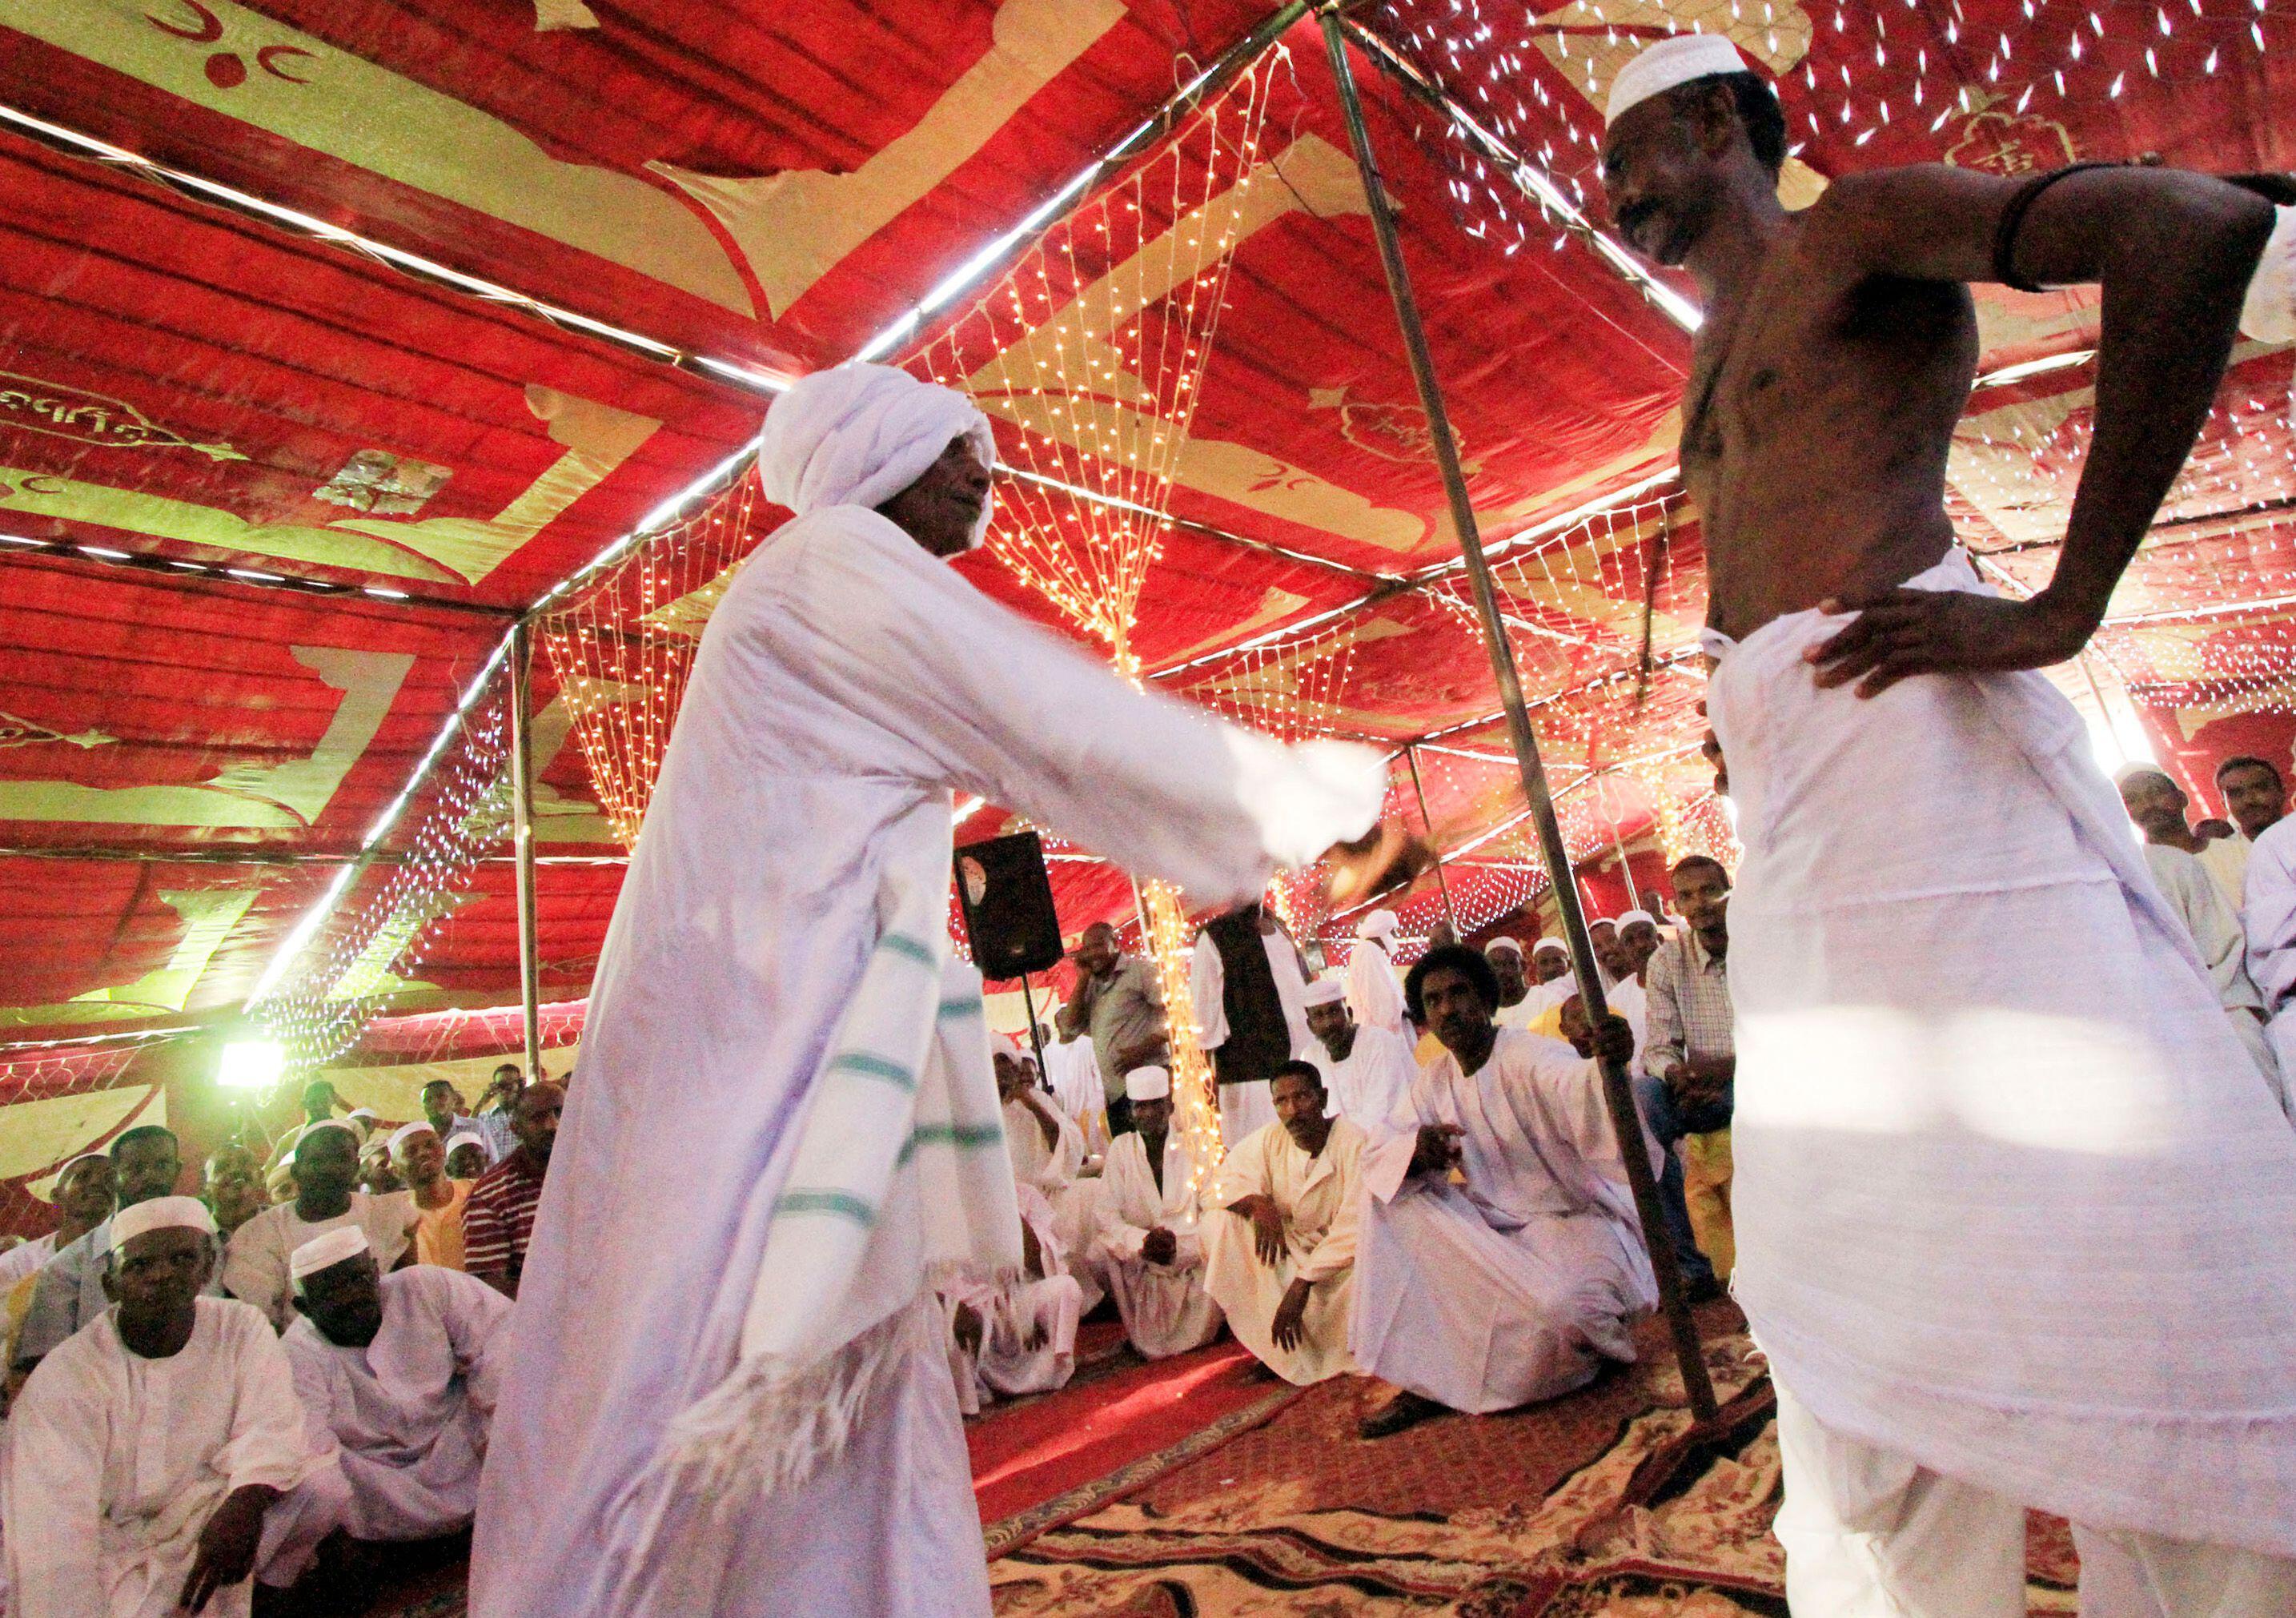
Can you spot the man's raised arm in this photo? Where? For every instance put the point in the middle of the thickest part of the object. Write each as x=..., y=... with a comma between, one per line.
x=2173, y=252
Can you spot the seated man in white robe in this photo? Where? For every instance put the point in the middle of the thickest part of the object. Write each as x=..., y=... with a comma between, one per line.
x=1047, y=1150
x=1016, y=1335
x=2196, y=899
x=1366, y=1071
x=157, y=1460
x=396, y=1383
x=1518, y=1285
x=1151, y=1252
x=1281, y=1233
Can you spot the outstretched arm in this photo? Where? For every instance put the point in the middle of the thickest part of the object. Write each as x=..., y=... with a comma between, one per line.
x=2173, y=252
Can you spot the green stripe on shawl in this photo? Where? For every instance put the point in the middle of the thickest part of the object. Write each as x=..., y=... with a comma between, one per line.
x=843, y=1205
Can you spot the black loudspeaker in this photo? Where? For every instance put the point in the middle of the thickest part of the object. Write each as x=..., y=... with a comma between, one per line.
x=1007, y=898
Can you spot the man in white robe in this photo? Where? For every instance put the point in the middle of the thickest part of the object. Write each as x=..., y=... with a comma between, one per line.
x=1150, y=1248
x=1280, y=1233
x=1073, y=1071
x=1244, y=1031
x=397, y=1373
x=846, y=682
x=2214, y=925
x=1046, y=1150
x=1374, y=992
x=2271, y=917
x=1366, y=1071
x=157, y=1460
x=83, y=1193
x=1013, y=1335
x=326, y=1164
x=1520, y=1285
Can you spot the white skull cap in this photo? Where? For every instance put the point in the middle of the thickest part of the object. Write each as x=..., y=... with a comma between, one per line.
x=1673, y=60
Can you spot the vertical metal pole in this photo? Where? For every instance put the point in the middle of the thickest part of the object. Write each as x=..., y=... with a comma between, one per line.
x=1411, y=757
x=521, y=792
x=1625, y=1119
x=1035, y=1040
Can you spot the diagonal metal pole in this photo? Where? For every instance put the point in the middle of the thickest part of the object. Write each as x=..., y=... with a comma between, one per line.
x=1442, y=882
x=521, y=789
x=1625, y=1120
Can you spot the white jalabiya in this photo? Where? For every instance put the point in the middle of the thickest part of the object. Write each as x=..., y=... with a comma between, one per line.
x=2009, y=1201
x=2225, y=861
x=2270, y=914
x=405, y=1416
x=1051, y=1169
x=1518, y=1286
x=2214, y=927
x=1028, y=1324
x=115, y=1462
x=1374, y=988
x=845, y=684
x=255, y=1262
x=1365, y=1086
x=1246, y=1107
x=1322, y=1201
x=1164, y=1308
x=1073, y=1071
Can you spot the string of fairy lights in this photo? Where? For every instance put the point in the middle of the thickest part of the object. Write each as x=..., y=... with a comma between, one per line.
x=339, y=981
x=622, y=649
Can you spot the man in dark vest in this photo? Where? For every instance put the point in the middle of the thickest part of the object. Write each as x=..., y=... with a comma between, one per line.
x=1250, y=989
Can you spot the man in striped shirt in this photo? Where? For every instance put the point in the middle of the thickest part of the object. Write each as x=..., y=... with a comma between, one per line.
x=498, y=1219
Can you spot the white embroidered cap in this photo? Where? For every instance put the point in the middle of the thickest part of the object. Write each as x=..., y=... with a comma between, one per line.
x=160, y=1213
x=1147, y=1084
x=1673, y=60
x=325, y=1252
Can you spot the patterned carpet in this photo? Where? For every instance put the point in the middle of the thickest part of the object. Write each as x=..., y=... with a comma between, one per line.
x=1534, y=1515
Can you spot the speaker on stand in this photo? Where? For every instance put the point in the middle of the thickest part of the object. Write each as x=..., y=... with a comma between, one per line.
x=1007, y=897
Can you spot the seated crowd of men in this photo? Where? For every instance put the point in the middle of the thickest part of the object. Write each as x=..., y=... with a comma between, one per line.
x=204, y=1393
x=1420, y=1182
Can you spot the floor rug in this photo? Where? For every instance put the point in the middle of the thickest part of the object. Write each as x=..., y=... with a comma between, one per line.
x=1548, y=1513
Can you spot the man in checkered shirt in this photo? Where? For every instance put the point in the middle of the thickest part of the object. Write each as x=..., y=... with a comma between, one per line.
x=498, y=1219
x=1689, y=1063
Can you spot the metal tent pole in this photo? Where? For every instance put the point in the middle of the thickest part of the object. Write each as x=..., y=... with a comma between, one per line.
x=1442, y=884
x=1616, y=1092
x=521, y=789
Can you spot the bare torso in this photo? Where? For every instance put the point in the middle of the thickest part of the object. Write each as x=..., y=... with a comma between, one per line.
x=1820, y=409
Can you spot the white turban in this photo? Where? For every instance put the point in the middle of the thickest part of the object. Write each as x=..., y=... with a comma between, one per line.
x=1676, y=59
x=1325, y=991
x=1147, y=1084
x=1379, y=924
x=1632, y=917
x=325, y=1252
x=1497, y=944
x=408, y=1131
x=160, y=1213
x=859, y=435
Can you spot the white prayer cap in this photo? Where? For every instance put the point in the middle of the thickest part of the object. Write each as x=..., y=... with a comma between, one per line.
x=325, y=1252
x=1379, y=924
x=71, y=1162
x=329, y=1124
x=408, y=1131
x=368, y=1113
x=2130, y=771
x=1601, y=921
x=1325, y=991
x=1632, y=917
x=1501, y=942
x=1673, y=60
x=160, y=1213
x=1147, y=1084
x=859, y=435
x=464, y=1138
x=1545, y=944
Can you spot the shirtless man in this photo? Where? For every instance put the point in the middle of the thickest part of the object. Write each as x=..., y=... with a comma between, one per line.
x=1986, y=1275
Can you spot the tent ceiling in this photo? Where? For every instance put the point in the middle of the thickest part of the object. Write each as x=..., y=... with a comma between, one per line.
x=772, y=188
